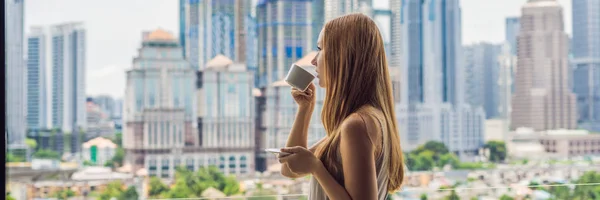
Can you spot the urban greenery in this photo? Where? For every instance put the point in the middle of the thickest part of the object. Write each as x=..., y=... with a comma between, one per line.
x=46, y=154
x=497, y=151
x=116, y=190
x=190, y=184
x=435, y=154
x=31, y=143
x=506, y=197
x=63, y=194
x=10, y=157
x=8, y=197
x=117, y=159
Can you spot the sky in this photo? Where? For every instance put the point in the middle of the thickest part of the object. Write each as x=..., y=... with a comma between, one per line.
x=114, y=29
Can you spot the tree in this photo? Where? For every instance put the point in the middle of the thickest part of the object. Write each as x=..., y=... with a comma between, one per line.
x=113, y=190
x=506, y=197
x=453, y=196
x=10, y=157
x=425, y=160
x=8, y=197
x=118, y=139
x=587, y=191
x=31, y=143
x=448, y=159
x=64, y=194
x=423, y=197
x=497, y=150
x=46, y=154
x=231, y=186
x=157, y=187
x=117, y=159
x=130, y=194
x=560, y=192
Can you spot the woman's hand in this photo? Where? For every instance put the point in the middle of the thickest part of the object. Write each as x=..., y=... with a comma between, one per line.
x=300, y=160
x=305, y=99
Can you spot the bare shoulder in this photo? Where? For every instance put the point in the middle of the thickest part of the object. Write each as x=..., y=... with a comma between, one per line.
x=354, y=127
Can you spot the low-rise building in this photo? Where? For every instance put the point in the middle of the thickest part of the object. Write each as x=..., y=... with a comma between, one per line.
x=99, y=150
x=524, y=142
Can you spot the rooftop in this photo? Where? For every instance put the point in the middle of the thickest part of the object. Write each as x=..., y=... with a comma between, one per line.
x=159, y=35
x=99, y=142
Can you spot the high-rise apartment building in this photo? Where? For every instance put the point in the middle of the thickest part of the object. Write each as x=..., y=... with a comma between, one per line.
x=426, y=50
x=586, y=62
x=15, y=74
x=284, y=36
x=37, y=87
x=481, y=77
x=212, y=27
x=543, y=99
x=68, y=49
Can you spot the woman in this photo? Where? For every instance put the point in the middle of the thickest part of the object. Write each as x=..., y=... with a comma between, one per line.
x=361, y=157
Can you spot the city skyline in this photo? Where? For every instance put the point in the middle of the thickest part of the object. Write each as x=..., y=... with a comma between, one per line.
x=110, y=52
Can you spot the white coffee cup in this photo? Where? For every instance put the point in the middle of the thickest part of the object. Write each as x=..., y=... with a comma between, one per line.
x=299, y=77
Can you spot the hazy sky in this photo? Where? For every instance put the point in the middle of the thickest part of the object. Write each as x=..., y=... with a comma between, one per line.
x=114, y=29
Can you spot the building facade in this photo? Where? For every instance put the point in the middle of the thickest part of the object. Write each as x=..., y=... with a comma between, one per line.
x=513, y=26
x=586, y=62
x=37, y=87
x=212, y=27
x=482, y=77
x=543, y=99
x=99, y=150
x=284, y=36
x=68, y=47
x=507, y=65
x=99, y=122
x=426, y=53
x=15, y=74
x=159, y=108
x=226, y=114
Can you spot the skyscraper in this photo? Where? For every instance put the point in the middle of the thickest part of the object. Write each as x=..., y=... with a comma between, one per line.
x=512, y=25
x=284, y=36
x=15, y=74
x=226, y=114
x=213, y=27
x=586, y=61
x=543, y=98
x=37, y=88
x=68, y=76
x=481, y=77
x=159, y=106
x=507, y=64
x=426, y=50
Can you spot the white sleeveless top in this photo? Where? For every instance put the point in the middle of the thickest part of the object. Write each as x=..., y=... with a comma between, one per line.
x=316, y=192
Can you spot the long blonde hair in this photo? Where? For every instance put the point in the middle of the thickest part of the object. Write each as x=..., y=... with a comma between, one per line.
x=357, y=75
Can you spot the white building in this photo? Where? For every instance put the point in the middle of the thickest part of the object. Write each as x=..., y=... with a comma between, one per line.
x=160, y=104
x=226, y=115
x=99, y=150
x=68, y=43
x=15, y=74
x=496, y=130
